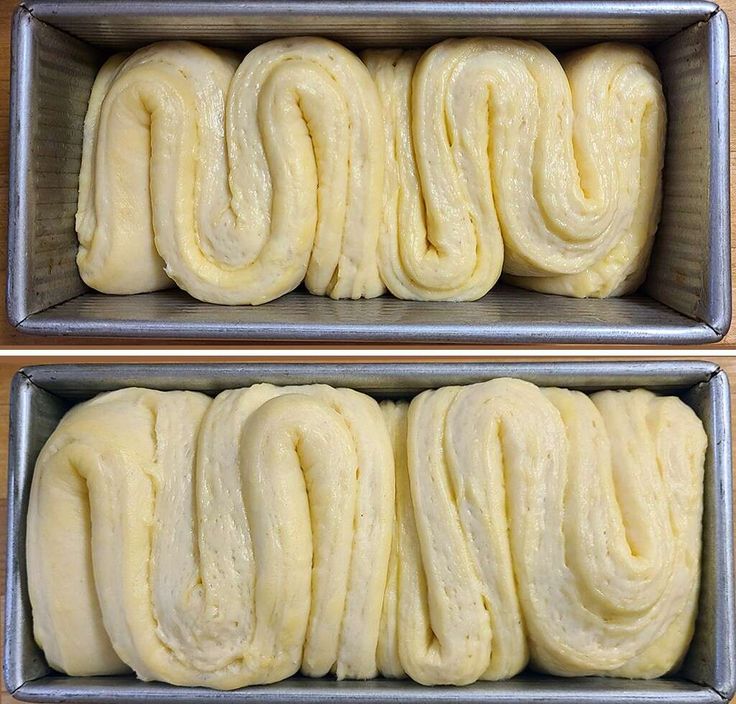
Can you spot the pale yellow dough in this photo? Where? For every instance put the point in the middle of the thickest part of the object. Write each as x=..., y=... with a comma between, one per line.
x=456, y=538
x=238, y=180
x=235, y=180
x=547, y=519
x=213, y=543
x=499, y=156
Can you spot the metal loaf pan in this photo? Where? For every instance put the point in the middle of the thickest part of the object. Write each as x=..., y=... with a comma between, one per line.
x=40, y=396
x=58, y=46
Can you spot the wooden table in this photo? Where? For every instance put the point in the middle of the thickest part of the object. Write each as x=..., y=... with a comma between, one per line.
x=9, y=365
x=10, y=337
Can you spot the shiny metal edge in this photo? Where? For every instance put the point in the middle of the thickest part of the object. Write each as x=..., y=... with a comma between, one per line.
x=19, y=145
x=68, y=380
x=520, y=690
x=22, y=661
x=78, y=381
x=691, y=332
x=714, y=407
x=695, y=11
x=717, y=309
x=17, y=452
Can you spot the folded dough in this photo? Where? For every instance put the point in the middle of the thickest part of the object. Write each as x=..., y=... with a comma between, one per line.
x=236, y=180
x=456, y=612
x=609, y=574
x=546, y=517
x=213, y=543
x=239, y=540
x=499, y=155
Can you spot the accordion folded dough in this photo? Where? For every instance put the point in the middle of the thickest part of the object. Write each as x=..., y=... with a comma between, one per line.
x=213, y=543
x=240, y=540
x=498, y=155
x=236, y=180
x=429, y=174
x=542, y=518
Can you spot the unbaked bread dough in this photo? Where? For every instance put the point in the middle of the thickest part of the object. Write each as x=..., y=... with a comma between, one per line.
x=499, y=156
x=238, y=180
x=235, y=180
x=239, y=540
x=213, y=543
x=542, y=517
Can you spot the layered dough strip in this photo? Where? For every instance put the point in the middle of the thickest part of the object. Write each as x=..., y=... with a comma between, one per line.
x=236, y=541
x=547, y=517
x=238, y=180
x=234, y=180
x=499, y=156
x=213, y=543
x=452, y=614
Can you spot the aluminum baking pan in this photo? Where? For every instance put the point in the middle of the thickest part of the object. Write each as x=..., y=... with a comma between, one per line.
x=58, y=46
x=40, y=395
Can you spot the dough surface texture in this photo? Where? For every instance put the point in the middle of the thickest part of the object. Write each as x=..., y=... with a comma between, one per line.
x=213, y=543
x=542, y=523
x=458, y=537
x=429, y=174
x=235, y=180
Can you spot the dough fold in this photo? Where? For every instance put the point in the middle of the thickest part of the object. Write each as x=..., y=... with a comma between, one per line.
x=430, y=173
x=456, y=613
x=213, y=543
x=542, y=520
x=500, y=157
x=236, y=180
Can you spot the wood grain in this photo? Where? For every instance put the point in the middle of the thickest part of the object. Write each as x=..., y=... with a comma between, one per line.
x=9, y=365
x=10, y=338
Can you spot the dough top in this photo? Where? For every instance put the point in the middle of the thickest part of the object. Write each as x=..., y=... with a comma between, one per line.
x=458, y=537
x=428, y=173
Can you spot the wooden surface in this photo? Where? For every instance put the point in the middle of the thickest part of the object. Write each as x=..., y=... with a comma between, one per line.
x=9, y=337
x=9, y=365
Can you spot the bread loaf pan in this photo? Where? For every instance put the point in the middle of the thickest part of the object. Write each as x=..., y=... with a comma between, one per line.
x=58, y=47
x=40, y=396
